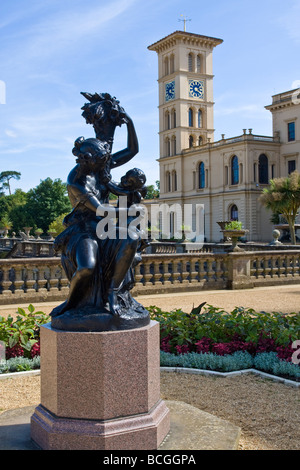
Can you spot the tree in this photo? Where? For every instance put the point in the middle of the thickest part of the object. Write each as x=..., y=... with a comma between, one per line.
x=43, y=205
x=47, y=201
x=8, y=205
x=6, y=176
x=153, y=191
x=57, y=224
x=283, y=197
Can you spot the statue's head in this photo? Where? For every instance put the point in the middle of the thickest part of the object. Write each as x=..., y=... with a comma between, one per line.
x=91, y=153
x=104, y=112
x=133, y=179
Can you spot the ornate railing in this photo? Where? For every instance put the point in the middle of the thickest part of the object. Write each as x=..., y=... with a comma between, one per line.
x=43, y=279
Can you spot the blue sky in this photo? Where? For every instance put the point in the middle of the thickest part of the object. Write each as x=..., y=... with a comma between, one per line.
x=51, y=50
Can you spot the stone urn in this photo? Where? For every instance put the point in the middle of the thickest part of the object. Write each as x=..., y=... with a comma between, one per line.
x=222, y=225
x=38, y=232
x=52, y=234
x=234, y=235
x=27, y=231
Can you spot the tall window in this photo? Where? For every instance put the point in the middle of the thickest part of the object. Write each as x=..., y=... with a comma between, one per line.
x=234, y=213
x=174, y=118
x=167, y=120
x=174, y=178
x=166, y=66
x=201, y=176
x=200, y=140
x=173, y=145
x=234, y=170
x=191, y=118
x=263, y=170
x=191, y=141
x=200, y=123
x=172, y=66
x=291, y=166
x=168, y=147
x=168, y=181
x=198, y=63
x=191, y=62
x=291, y=131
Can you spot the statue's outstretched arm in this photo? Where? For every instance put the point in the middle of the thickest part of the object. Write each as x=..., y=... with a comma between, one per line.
x=124, y=156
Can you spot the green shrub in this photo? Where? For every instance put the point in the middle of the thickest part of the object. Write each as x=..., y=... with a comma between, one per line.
x=20, y=334
x=208, y=361
x=234, y=225
x=220, y=326
x=19, y=364
x=269, y=362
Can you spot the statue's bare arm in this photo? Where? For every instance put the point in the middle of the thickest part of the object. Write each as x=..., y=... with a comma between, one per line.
x=124, y=156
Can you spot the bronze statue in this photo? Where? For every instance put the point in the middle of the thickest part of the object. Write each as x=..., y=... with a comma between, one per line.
x=99, y=268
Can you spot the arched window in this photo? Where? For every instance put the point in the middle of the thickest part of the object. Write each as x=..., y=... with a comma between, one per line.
x=200, y=140
x=198, y=63
x=174, y=145
x=191, y=62
x=191, y=118
x=168, y=147
x=166, y=65
x=174, y=118
x=234, y=213
x=168, y=181
x=263, y=171
x=167, y=120
x=174, y=178
x=191, y=141
x=172, y=64
x=200, y=121
x=201, y=175
x=234, y=170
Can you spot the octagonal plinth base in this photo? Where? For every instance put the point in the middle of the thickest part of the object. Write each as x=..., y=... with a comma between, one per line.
x=100, y=390
x=139, y=432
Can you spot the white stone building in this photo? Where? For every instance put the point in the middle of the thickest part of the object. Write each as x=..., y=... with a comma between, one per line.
x=228, y=175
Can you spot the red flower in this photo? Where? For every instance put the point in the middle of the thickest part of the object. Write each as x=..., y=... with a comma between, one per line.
x=221, y=349
x=203, y=345
x=15, y=351
x=183, y=349
x=35, y=350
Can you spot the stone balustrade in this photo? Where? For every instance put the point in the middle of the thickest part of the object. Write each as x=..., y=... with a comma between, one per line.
x=25, y=280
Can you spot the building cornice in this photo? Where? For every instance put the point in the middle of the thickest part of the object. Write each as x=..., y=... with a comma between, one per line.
x=283, y=100
x=178, y=37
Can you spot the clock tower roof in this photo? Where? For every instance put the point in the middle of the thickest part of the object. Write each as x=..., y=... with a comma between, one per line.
x=188, y=38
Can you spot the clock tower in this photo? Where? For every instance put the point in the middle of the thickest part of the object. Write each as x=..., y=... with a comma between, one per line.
x=185, y=91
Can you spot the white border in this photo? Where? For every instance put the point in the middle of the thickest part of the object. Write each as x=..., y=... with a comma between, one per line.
x=183, y=370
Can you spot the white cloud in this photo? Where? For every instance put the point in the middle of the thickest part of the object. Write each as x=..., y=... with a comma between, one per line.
x=10, y=133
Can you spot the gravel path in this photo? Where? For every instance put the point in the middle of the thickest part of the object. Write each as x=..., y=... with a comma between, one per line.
x=284, y=299
x=267, y=412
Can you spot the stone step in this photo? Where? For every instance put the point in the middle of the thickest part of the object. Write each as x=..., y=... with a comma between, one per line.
x=191, y=429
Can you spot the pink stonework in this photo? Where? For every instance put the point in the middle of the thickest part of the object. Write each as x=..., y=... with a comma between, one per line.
x=100, y=390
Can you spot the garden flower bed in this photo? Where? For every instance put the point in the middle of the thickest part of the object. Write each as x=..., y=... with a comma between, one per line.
x=207, y=338
x=211, y=339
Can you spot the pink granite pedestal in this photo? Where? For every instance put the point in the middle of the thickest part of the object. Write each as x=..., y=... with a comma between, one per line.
x=100, y=391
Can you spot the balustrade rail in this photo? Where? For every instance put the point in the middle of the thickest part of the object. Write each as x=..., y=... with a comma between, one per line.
x=43, y=279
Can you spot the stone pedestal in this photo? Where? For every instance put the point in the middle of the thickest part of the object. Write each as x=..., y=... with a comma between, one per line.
x=100, y=390
x=238, y=272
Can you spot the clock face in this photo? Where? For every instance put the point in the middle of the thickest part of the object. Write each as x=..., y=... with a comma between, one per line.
x=170, y=91
x=196, y=89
